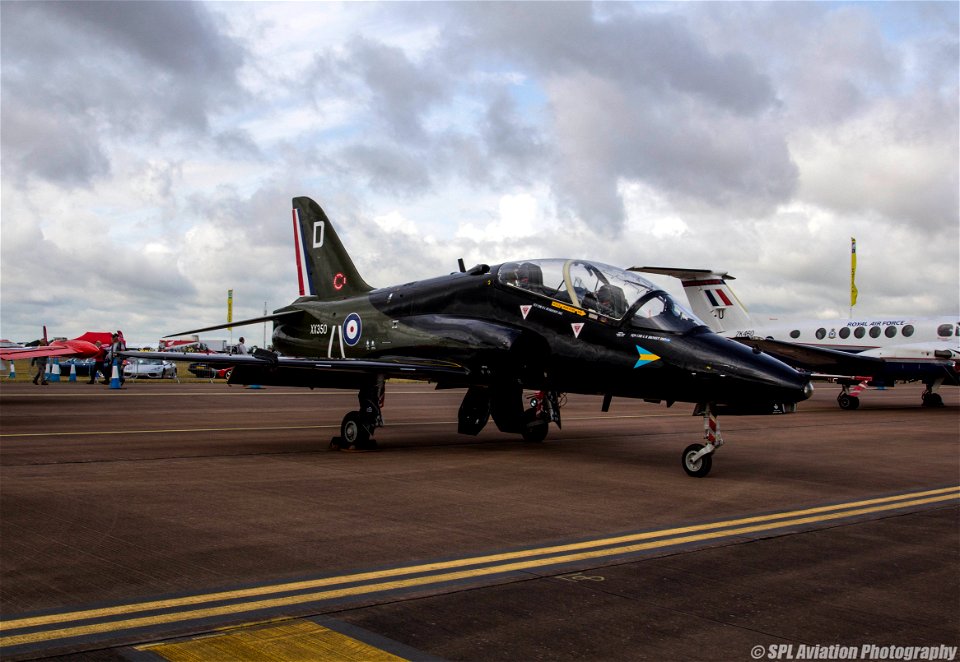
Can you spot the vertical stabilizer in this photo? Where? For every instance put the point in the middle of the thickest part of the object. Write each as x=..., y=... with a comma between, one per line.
x=324, y=269
x=710, y=298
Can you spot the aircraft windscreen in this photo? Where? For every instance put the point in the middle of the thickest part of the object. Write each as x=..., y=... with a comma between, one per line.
x=661, y=312
x=607, y=290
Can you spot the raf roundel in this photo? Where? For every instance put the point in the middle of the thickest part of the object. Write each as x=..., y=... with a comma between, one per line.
x=352, y=328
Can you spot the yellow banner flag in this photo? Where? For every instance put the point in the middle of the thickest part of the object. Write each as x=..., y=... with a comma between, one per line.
x=853, y=272
x=229, y=306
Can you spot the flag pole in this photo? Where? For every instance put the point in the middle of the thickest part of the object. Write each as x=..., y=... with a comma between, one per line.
x=853, y=274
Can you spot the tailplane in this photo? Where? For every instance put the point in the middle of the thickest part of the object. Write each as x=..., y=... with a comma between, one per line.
x=324, y=269
x=711, y=299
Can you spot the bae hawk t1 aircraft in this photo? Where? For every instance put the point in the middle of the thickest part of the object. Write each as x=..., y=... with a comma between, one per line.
x=851, y=352
x=553, y=326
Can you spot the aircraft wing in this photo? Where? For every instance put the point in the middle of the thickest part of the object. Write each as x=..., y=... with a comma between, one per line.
x=817, y=359
x=19, y=353
x=267, y=368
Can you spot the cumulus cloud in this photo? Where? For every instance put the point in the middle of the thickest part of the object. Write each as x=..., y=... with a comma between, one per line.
x=77, y=75
x=151, y=149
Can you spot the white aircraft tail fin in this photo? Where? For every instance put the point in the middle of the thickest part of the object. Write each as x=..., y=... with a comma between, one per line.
x=710, y=298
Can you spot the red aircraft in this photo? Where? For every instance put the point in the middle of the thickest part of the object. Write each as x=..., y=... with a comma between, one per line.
x=82, y=347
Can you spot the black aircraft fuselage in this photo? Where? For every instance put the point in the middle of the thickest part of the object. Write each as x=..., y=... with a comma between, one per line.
x=504, y=334
x=553, y=326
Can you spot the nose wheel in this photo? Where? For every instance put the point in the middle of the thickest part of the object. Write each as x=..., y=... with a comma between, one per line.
x=697, y=459
x=697, y=462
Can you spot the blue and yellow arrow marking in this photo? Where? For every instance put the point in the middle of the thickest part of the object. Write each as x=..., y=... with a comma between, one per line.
x=646, y=356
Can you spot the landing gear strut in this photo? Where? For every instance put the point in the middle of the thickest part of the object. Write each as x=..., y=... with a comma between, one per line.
x=697, y=459
x=356, y=428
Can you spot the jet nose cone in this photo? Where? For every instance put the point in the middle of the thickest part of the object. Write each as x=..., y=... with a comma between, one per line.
x=789, y=384
x=759, y=377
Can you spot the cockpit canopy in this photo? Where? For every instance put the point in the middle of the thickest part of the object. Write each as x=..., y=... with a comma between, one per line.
x=600, y=288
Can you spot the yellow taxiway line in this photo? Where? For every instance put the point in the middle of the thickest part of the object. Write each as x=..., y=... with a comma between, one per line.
x=366, y=583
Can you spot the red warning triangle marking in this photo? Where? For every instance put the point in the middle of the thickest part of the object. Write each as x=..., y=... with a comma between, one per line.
x=577, y=327
x=525, y=310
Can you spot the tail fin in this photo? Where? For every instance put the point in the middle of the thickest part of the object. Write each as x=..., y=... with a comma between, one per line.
x=711, y=299
x=324, y=269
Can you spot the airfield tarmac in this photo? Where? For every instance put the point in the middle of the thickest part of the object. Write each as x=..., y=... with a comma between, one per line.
x=201, y=521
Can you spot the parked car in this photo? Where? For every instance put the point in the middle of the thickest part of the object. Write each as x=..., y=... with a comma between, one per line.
x=149, y=368
x=205, y=371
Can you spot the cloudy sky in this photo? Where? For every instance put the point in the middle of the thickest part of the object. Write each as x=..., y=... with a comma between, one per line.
x=150, y=150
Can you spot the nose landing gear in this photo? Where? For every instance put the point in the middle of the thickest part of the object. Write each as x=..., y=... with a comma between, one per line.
x=697, y=459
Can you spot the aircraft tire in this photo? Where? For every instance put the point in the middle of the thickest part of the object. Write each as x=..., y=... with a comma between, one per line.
x=534, y=430
x=353, y=433
x=848, y=402
x=932, y=400
x=701, y=467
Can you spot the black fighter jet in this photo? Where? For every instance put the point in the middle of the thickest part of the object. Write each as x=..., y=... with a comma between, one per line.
x=552, y=326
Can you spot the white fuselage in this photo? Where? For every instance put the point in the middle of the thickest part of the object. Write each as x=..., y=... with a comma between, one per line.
x=858, y=334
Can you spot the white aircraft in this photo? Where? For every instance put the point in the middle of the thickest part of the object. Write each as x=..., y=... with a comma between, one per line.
x=854, y=352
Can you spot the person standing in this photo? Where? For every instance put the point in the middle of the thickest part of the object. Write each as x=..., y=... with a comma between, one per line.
x=98, y=363
x=113, y=356
x=241, y=347
x=41, y=363
x=120, y=359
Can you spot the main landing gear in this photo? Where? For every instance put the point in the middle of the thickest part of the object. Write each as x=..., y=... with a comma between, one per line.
x=505, y=403
x=697, y=459
x=930, y=396
x=356, y=429
x=849, y=400
x=544, y=407
x=849, y=394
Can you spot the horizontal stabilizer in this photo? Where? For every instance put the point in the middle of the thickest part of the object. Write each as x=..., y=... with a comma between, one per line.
x=287, y=314
x=684, y=274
